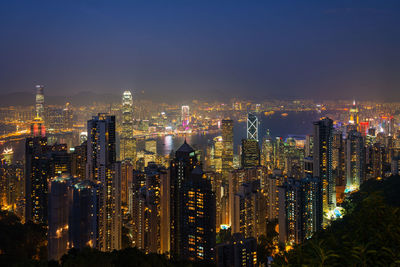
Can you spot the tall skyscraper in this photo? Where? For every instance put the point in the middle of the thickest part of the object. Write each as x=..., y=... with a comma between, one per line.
x=250, y=153
x=252, y=127
x=249, y=211
x=39, y=101
x=128, y=142
x=300, y=210
x=198, y=218
x=36, y=174
x=147, y=205
x=185, y=117
x=103, y=167
x=355, y=160
x=59, y=208
x=227, y=147
x=322, y=156
x=180, y=169
x=83, y=222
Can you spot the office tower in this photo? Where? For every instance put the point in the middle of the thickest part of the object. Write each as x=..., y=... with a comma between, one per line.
x=249, y=211
x=338, y=159
x=227, y=147
x=78, y=161
x=185, y=117
x=364, y=126
x=103, y=167
x=128, y=142
x=68, y=117
x=239, y=251
x=355, y=161
x=252, y=127
x=354, y=118
x=216, y=154
x=322, y=155
x=300, y=210
x=180, y=168
x=151, y=146
x=58, y=216
x=84, y=208
x=267, y=152
x=39, y=101
x=198, y=218
x=250, y=153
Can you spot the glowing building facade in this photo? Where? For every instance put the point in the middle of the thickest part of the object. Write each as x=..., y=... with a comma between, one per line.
x=39, y=101
x=128, y=142
x=322, y=166
x=252, y=127
x=185, y=117
x=102, y=167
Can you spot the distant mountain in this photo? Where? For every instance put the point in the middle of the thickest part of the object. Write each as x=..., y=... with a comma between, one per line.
x=79, y=99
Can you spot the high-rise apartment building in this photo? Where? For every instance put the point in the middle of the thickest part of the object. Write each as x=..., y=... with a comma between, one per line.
x=322, y=156
x=355, y=160
x=300, y=210
x=180, y=169
x=58, y=216
x=198, y=218
x=102, y=167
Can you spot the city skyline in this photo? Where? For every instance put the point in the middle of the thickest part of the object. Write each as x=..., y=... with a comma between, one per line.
x=199, y=133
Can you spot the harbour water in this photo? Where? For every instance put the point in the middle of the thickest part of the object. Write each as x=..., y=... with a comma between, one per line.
x=294, y=124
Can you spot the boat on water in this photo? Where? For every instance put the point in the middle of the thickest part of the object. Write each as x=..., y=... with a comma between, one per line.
x=284, y=114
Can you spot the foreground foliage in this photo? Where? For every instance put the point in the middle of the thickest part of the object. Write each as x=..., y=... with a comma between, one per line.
x=368, y=234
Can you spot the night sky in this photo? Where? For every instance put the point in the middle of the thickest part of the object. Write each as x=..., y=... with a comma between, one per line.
x=198, y=48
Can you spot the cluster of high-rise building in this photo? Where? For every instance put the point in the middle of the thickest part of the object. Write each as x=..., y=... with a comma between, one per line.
x=112, y=176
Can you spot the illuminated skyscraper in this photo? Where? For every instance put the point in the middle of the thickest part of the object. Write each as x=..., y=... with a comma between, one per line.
x=128, y=142
x=147, y=209
x=354, y=118
x=227, y=147
x=185, y=117
x=249, y=211
x=322, y=156
x=36, y=174
x=198, y=218
x=39, y=101
x=181, y=167
x=103, y=167
x=250, y=153
x=216, y=154
x=252, y=127
x=300, y=210
x=355, y=161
